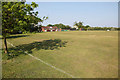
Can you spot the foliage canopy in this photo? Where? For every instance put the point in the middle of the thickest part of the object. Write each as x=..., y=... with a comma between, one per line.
x=18, y=16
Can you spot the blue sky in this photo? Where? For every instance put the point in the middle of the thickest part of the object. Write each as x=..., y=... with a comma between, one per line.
x=103, y=14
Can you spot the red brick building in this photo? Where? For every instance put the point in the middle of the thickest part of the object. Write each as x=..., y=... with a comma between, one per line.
x=50, y=28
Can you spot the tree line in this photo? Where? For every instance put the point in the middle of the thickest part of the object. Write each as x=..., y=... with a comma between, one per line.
x=62, y=26
x=84, y=27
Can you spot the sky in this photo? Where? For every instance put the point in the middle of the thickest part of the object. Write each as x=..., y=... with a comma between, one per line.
x=102, y=14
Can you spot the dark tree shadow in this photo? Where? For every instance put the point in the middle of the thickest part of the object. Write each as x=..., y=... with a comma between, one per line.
x=14, y=36
x=17, y=36
x=46, y=45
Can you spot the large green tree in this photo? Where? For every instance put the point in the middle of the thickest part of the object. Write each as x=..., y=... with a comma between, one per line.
x=50, y=25
x=62, y=26
x=78, y=24
x=17, y=16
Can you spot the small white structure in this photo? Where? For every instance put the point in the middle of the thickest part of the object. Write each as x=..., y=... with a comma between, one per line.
x=108, y=30
x=45, y=30
x=51, y=28
x=75, y=27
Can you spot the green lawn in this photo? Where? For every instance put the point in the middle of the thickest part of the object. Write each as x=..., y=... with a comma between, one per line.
x=86, y=54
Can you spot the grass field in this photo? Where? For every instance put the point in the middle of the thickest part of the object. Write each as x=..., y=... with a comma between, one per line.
x=86, y=54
